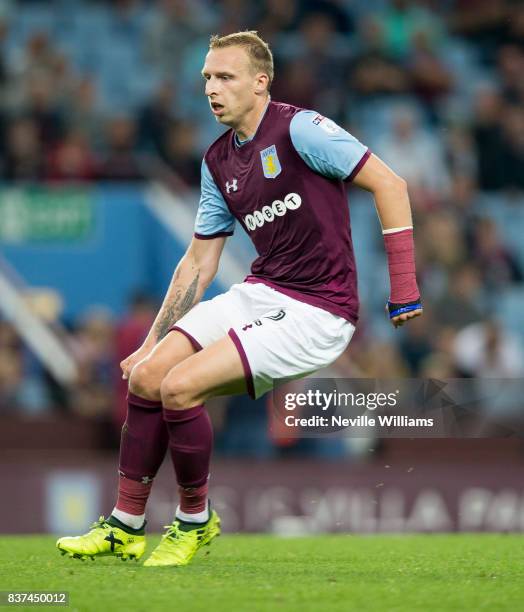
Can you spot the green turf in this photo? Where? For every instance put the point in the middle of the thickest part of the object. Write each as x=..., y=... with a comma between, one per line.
x=249, y=573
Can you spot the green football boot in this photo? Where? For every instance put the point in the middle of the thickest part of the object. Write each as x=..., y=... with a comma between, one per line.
x=102, y=540
x=182, y=540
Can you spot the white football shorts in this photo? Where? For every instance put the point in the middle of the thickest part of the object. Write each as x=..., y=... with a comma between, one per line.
x=278, y=338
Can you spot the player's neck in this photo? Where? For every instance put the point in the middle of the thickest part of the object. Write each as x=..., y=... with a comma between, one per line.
x=252, y=120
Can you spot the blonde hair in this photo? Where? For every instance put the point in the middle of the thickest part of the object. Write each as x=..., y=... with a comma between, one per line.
x=257, y=49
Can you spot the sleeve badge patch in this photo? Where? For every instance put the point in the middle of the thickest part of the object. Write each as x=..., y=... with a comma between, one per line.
x=330, y=127
x=326, y=124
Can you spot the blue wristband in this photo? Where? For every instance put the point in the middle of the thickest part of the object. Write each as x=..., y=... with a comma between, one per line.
x=397, y=309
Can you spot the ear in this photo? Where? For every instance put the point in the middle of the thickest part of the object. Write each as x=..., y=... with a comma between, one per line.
x=261, y=83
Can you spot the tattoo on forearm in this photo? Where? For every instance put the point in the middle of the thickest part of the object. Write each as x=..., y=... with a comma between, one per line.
x=181, y=302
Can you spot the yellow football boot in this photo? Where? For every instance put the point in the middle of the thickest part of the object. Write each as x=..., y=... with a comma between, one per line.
x=182, y=540
x=104, y=539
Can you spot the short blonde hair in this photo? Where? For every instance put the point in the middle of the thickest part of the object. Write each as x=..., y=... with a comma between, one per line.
x=257, y=49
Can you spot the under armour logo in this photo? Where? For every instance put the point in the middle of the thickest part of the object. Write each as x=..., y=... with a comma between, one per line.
x=146, y=480
x=232, y=186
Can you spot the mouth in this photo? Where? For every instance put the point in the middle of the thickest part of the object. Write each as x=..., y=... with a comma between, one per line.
x=216, y=108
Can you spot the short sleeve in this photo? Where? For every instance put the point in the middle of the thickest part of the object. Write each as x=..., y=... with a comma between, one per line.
x=213, y=218
x=325, y=147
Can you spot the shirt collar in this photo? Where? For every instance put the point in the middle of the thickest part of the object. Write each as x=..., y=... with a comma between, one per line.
x=240, y=143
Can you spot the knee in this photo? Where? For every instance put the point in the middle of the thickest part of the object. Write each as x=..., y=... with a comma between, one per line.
x=144, y=381
x=176, y=393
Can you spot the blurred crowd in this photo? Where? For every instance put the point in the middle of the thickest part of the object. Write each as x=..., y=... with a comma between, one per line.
x=96, y=90
x=90, y=88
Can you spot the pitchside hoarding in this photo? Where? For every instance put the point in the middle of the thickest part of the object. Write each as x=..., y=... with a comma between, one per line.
x=284, y=497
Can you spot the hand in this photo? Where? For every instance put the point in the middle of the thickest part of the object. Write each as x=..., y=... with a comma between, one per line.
x=405, y=312
x=399, y=320
x=129, y=363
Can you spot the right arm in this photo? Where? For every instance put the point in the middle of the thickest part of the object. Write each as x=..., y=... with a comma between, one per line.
x=199, y=265
x=192, y=276
x=196, y=269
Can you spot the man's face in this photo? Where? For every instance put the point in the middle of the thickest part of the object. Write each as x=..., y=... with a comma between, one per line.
x=231, y=85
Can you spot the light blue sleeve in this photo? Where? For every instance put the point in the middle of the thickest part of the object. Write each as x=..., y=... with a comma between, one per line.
x=324, y=146
x=213, y=216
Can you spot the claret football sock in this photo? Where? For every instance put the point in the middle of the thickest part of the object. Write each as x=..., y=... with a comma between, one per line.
x=191, y=443
x=132, y=496
x=142, y=449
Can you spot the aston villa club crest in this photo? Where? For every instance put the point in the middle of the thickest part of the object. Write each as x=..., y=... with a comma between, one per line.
x=270, y=162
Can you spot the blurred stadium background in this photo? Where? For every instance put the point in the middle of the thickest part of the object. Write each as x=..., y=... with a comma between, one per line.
x=103, y=124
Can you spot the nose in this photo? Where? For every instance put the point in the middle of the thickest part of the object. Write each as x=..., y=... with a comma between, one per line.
x=211, y=86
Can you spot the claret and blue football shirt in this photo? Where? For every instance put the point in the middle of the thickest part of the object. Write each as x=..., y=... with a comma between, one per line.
x=287, y=187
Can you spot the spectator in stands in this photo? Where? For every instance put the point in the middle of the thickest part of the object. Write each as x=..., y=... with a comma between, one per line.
x=430, y=79
x=4, y=28
x=84, y=115
x=156, y=117
x=43, y=109
x=297, y=85
x=94, y=346
x=440, y=363
x=381, y=359
x=513, y=130
x=120, y=162
x=417, y=155
x=130, y=333
x=276, y=19
x=489, y=138
x=403, y=21
x=20, y=391
x=486, y=350
x=373, y=71
x=438, y=366
x=416, y=345
x=482, y=21
x=515, y=25
x=497, y=263
x=125, y=20
x=462, y=162
x=511, y=68
x=3, y=81
x=179, y=151
x=441, y=248
x=459, y=304
x=71, y=160
x=23, y=157
x=236, y=15
x=172, y=26
x=326, y=54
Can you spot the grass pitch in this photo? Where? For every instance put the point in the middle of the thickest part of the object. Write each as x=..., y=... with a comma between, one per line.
x=264, y=573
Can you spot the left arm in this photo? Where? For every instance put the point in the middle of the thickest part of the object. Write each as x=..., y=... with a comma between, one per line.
x=394, y=212
x=331, y=151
